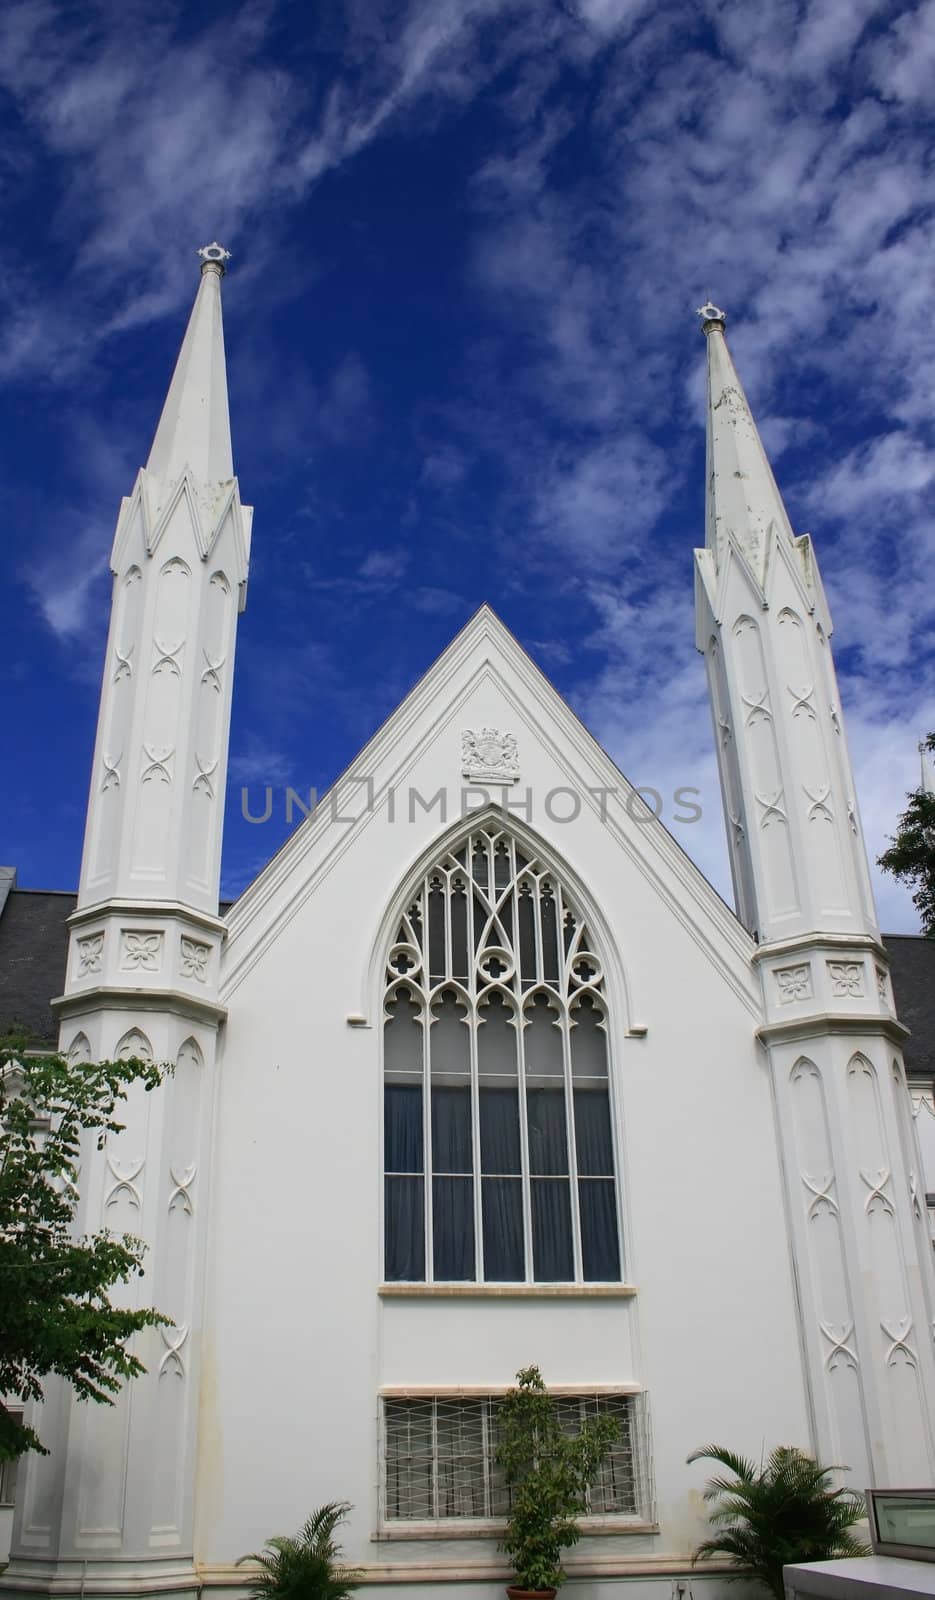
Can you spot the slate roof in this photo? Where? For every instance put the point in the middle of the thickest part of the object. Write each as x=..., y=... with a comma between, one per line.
x=34, y=942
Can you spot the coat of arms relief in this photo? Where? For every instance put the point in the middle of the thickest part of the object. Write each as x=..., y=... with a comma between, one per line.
x=489, y=756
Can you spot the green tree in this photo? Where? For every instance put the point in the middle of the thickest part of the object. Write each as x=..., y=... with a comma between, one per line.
x=55, y=1313
x=307, y=1567
x=784, y=1512
x=548, y=1473
x=911, y=855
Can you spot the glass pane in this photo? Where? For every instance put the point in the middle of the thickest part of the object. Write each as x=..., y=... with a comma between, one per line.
x=552, y=1253
x=600, y=1250
x=504, y=1255
x=409, y=1458
x=450, y=1039
x=459, y=1431
x=453, y=1227
x=459, y=934
x=548, y=1145
x=499, y=1130
x=403, y=1140
x=496, y=1039
x=436, y=931
x=451, y=1129
x=542, y=1040
x=404, y=1229
x=588, y=1041
x=549, y=936
x=593, y=1140
x=402, y=1043
x=527, y=937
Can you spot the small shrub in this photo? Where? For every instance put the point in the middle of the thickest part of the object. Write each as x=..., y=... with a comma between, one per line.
x=785, y=1512
x=307, y=1567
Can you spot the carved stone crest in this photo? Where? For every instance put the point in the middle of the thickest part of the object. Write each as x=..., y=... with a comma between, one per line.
x=489, y=755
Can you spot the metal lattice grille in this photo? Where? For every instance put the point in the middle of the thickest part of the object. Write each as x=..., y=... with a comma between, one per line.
x=439, y=1457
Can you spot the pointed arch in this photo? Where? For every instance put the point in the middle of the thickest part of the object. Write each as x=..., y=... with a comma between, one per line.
x=499, y=1149
x=133, y=1043
x=79, y=1049
x=447, y=841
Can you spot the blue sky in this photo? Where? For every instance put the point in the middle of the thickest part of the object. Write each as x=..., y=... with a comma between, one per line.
x=468, y=240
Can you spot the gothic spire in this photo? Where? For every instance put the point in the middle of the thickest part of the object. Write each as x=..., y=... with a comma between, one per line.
x=194, y=429
x=743, y=501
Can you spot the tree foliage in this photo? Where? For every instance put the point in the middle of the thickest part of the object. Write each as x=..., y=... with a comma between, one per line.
x=785, y=1511
x=911, y=856
x=307, y=1567
x=548, y=1472
x=55, y=1311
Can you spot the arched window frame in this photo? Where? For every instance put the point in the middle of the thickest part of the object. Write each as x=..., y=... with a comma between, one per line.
x=607, y=984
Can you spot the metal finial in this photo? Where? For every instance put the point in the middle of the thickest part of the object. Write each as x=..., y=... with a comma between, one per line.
x=711, y=314
x=214, y=255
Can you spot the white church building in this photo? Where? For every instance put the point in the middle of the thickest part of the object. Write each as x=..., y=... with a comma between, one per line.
x=479, y=1072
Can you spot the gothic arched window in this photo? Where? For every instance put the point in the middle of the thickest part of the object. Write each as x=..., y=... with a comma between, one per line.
x=498, y=1142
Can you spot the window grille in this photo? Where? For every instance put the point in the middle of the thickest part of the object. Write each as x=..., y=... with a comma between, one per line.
x=439, y=1457
x=498, y=1136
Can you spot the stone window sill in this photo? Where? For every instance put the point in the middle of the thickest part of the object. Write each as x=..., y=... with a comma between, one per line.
x=506, y=1291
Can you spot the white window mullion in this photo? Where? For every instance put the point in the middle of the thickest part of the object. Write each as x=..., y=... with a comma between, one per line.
x=427, y=1094
x=572, y=1148
x=524, y=1146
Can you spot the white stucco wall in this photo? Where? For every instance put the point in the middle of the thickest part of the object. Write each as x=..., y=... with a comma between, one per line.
x=299, y=1341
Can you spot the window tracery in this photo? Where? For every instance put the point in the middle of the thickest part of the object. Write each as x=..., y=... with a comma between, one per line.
x=498, y=1143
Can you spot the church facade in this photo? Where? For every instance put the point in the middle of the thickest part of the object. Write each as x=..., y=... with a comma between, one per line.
x=479, y=1072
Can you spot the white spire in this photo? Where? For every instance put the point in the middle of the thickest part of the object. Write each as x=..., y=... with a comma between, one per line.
x=194, y=429
x=927, y=784
x=742, y=498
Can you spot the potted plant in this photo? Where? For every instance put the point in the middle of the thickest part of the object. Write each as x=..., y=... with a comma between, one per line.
x=547, y=1472
x=784, y=1512
x=307, y=1567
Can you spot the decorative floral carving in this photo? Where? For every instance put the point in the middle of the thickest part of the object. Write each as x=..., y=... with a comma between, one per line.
x=882, y=985
x=847, y=978
x=181, y=1191
x=841, y=1349
x=158, y=765
x=164, y=658
x=489, y=755
x=124, y=668
x=195, y=959
x=212, y=671
x=141, y=951
x=819, y=803
x=899, y=1341
x=90, y=954
x=124, y=1183
x=795, y=983
x=111, y=778
x=202, y=780
x=802, y=700
x=772, y=808
x=877, y=1195
x=173, y=1339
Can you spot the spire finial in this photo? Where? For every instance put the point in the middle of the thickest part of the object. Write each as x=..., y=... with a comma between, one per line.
x=214, y=255
x=711, y=317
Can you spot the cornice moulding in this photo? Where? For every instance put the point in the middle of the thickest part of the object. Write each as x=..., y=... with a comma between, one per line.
x=174, y=1001
x=824, y=1025
x=174, y=910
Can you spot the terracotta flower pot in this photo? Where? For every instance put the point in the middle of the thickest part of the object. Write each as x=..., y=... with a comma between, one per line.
x=530, y=1594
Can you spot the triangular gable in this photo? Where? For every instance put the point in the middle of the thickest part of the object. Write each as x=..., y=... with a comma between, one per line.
x=484, y=649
